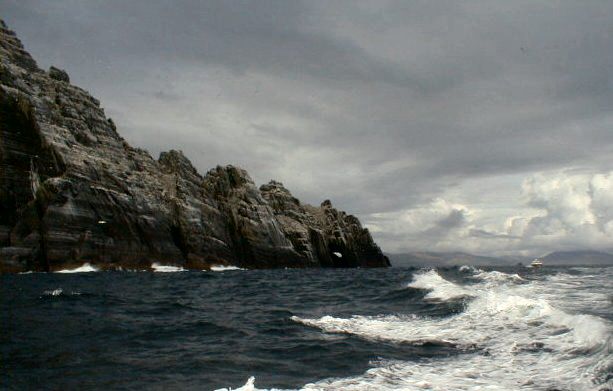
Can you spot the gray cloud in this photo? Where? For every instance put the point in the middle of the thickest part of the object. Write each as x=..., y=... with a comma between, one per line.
x=483, y=234
x=454, y=219
x=379, y=106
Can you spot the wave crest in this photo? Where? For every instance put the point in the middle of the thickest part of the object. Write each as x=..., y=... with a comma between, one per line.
x=85, y=268
x=223, y=268
x=439, y=288
x=159, y=268
x=525, y=336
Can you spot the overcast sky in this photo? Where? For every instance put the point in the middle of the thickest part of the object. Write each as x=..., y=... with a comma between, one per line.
x=481, y=126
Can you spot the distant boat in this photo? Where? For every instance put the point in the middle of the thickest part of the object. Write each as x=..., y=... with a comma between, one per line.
x=536, y=263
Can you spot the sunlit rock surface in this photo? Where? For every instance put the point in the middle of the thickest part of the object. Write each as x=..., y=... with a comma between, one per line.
x=72, y=191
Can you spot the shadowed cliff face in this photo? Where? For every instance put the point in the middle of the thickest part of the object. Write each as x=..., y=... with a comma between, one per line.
x=73, y=191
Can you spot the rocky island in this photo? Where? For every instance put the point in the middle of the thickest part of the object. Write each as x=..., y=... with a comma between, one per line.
x=73, y=191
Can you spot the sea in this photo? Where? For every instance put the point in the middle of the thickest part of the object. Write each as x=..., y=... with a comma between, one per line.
x=455, y=328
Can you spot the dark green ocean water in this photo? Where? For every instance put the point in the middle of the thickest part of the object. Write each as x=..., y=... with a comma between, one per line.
x=396, y=328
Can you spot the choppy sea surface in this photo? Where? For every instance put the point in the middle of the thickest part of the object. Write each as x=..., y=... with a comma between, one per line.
x=461, y=328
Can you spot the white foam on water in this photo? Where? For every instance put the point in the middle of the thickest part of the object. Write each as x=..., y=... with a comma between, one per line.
x=591, y=293
x=439, y=288
x=55, y=292
x=223, y=268
x=158, y=268
x=492, y=276
x=523, y=340
x=496, y=277
x=85, y=268
x=60, y=292
x=468, y=269
x=249, y=386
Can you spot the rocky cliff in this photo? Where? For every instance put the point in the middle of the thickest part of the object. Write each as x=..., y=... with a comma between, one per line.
x=73, y=191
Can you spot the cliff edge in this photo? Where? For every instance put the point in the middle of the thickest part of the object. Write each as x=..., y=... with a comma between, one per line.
x=72, y=191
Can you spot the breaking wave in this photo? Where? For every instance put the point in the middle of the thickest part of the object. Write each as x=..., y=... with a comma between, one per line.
x=223, y=268
x=439, y=288
x=512, y=336
x=85, y=268
x=249, y=386
x=158, y=268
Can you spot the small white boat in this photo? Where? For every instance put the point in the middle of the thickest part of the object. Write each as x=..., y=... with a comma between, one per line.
x=536, y=263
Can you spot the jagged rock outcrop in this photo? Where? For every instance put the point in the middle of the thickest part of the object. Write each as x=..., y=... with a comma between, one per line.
x=73, y=191
x=324, y=236
x=58, y=74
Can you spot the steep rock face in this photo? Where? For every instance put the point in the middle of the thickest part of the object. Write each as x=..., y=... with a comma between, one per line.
x=324, y=236
x=73, y=191
x=256, y=235
x=89, y=196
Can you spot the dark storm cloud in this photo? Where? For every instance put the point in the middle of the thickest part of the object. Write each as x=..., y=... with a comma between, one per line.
x=242, y=35
x=379, y=106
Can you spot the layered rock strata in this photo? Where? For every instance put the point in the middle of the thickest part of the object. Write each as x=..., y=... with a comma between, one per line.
x=72, y=191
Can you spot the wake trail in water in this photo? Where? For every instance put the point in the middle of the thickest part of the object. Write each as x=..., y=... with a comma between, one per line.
x=514, y=333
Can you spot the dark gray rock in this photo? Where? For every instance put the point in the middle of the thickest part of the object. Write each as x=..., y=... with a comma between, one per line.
x=324, y=235
x=58, y=74
x=73, y=191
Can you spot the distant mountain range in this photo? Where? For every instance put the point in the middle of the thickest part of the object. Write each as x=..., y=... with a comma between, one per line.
x=428, y=258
